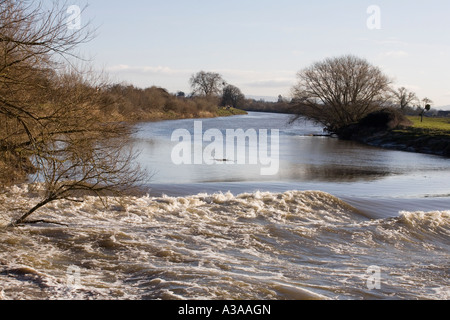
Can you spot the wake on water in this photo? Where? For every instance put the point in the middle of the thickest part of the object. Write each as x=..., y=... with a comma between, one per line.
x=262, y=245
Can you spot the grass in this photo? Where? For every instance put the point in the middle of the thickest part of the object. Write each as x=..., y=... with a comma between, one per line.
x=430, y=125
x=226, y=112
x=160, y=115
x=429, y=128
x=432, y=136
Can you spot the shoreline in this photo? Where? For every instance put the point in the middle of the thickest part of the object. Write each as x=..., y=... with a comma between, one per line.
x=389, y=130
x=18, y=175
x=409, y=140
x=167, y=116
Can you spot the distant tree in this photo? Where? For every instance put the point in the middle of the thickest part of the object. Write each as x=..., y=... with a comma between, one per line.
x=426, y=106
x=404, y=98
x=232, y=96
x=207, y=84
x=340, y=91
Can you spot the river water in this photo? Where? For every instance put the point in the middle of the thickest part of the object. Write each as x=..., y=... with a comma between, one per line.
x=363, y=175
x=336, y=220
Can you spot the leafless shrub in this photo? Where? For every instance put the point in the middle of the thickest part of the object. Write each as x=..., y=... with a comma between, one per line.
x=52, y=114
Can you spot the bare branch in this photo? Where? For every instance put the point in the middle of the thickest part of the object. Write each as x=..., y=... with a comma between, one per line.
x=207, y=83
x=50, y=110
x=340, y=91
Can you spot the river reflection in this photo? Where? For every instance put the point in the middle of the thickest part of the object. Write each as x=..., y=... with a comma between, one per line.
x=306, y=160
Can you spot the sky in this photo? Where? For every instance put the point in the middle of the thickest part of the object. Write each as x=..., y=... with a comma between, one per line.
x=260, y=45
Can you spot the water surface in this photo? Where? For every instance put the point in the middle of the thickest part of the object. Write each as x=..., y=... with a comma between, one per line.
x=308, y=161
x=340, y=220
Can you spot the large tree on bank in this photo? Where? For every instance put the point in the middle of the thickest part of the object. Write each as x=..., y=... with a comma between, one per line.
x=232, y=96
x=207, y=84
x=340, y=91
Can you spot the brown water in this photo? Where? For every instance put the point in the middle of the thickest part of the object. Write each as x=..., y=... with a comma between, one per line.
x=339, y=221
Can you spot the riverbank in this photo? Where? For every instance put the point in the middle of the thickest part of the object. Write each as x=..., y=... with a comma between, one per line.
x=14, y=167
x=432, y=136
x=173, y=115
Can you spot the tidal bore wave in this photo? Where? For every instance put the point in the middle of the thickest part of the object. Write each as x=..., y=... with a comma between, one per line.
x=269, y=246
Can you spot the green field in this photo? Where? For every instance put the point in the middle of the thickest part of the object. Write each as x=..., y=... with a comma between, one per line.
x=431, y=136
x=432, y=124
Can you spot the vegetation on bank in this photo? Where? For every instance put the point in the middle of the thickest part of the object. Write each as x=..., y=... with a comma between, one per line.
x=431, y=125
x=230, y=111
x=281, y=106
x=355, y=100
x=340, y=92
x=395, y=131
x=432, y=135
x=411, y=140
x=66, y=126
x=131, y=104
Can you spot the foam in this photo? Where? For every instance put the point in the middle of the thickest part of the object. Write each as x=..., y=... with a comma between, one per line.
x=258, y=245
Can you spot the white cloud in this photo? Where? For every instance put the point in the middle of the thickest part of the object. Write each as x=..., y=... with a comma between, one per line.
x=158, y=70
x=386, y=42
x=271, y=83
x=256, y=82
x=297, y=53
x=257, y=78
x=393, y=41
x=395, y=54
x=410, y=87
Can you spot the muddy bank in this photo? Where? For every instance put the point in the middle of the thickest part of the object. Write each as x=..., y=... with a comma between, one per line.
x=388, y=128
x=406, y=139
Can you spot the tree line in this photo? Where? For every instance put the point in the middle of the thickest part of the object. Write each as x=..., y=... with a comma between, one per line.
x=209, y=92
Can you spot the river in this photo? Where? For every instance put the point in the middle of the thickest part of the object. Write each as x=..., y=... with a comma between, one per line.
x=334, y=220
x=394, y=180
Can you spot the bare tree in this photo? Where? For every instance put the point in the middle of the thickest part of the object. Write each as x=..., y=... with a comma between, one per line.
x=426, y=106
x=340, y=91
x=404, y=98
x=51, y=113
x=232, y=96
x=207, y=84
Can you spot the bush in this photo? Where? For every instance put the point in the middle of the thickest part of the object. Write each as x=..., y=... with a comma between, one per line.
x=377, y=121
x=387, y=118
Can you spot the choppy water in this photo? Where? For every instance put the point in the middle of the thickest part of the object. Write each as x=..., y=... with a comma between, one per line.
x=390, y=214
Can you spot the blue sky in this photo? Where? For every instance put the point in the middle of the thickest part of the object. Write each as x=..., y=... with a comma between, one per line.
x=260, y=45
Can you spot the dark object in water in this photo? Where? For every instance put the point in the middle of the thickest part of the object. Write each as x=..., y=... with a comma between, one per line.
x=223, y=160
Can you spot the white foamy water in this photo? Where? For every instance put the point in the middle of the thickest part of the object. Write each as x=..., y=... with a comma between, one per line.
x=261, y=245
